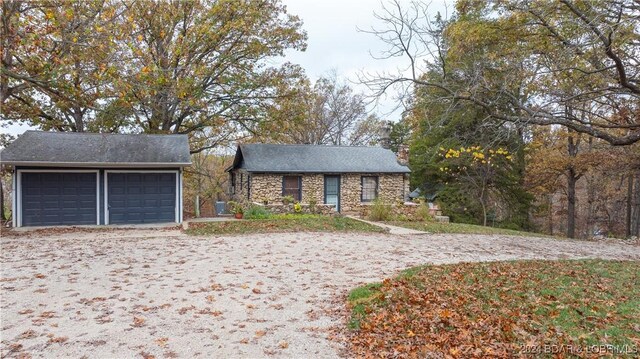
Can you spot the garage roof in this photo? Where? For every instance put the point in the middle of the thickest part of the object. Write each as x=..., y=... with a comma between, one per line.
x=37, y=148
x=316, y=159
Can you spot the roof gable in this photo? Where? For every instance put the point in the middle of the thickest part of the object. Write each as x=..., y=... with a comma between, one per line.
x=84, y=149
x=316, y=159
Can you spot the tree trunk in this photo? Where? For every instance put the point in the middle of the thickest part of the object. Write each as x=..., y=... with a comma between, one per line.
x=484, y=207
x=629, y=206
x=571, y=203
x=635, y=218
x=550, y=214
x=78, y=120
x=572, y=178
x=591, y=216
x=196, y=210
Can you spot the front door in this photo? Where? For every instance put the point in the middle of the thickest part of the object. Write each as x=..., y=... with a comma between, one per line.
x=332, y=191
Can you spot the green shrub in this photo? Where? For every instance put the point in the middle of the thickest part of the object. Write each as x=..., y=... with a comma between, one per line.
x=312, y=205
x=380, y=211
x=423, y=213
x=300, y=216
x=287, y=199
x=236, y=207
x=257, y=212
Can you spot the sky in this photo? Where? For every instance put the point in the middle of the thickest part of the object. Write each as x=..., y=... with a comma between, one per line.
x=335, y=44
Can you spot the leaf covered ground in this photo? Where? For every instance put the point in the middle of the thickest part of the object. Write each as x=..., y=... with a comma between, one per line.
x=500, y=309
x=283, y=223
x=134, y=293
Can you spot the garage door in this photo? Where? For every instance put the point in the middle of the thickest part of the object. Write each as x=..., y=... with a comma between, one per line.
x=141, y=197
x=50, y=199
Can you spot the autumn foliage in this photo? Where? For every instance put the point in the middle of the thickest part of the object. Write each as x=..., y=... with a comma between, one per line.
x=498, y=310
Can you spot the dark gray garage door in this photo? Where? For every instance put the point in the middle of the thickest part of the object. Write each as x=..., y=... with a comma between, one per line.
x=50, y=199
x=141, y=197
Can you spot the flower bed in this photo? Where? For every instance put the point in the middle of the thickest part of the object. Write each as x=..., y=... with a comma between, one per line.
x=279, y=208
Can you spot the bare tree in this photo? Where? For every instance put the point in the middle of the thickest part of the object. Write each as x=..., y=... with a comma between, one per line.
x=329, y=113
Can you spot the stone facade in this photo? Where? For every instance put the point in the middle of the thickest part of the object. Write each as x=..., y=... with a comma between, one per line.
x=261, y=187
x=240, y=182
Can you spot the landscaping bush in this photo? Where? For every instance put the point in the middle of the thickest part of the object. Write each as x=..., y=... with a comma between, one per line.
x=257, y=212
x=423, y=213
x=236, y=207
x=380, y=211
x=312, y=205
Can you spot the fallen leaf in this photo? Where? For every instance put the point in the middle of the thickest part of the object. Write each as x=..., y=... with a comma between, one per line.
x=138, y=322
x=162, y=342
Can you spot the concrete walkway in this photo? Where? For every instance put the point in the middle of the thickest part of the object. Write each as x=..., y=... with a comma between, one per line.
x=390, y=228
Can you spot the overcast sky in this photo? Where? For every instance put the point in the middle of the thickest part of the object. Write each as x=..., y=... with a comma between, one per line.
x=334, y=43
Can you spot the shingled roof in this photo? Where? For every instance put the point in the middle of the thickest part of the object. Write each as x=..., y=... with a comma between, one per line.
x=94, y=149
x=316, y=159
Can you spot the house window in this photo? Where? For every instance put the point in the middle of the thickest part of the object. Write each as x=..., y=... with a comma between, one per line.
x=292, y=186
x=369, y=188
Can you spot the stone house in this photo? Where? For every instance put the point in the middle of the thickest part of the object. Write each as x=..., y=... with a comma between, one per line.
x=348, y=177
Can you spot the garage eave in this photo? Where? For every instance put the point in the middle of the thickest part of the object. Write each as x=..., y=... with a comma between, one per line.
x=97, y=164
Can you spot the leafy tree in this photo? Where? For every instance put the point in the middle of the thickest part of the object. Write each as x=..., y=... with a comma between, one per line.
x=556, y=154
x=440, y=121
x=197, y=67
x=400, y=134
x=206, y=180
x=58, y=58
x=475, y=191
x=477, y=169
x=562, y=54
x=597, y=179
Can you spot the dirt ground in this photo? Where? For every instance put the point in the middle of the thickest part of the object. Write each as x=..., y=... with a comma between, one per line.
x=164, y=294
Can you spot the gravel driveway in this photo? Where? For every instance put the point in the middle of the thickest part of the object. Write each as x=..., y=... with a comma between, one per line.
x=164, y=294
